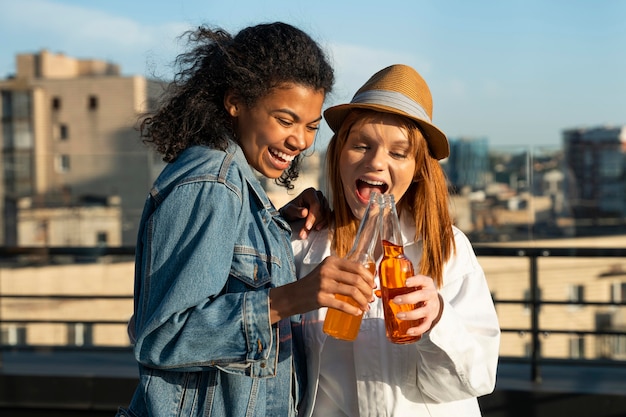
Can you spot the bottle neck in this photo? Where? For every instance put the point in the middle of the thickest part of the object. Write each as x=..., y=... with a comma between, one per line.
x=367, y=234
x=390, y=223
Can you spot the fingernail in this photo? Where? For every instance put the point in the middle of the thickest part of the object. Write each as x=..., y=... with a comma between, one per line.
x=397, y=300
x=401, y=315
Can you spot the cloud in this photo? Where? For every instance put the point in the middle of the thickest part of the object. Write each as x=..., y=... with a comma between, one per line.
x=87, y=33
x=73, y=23
x=354, y=64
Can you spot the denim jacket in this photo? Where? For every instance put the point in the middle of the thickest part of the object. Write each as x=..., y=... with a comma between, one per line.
x=210, y=246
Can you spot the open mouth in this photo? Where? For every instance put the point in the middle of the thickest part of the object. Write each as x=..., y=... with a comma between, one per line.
x=364, y=188
x=281, y=159
x=282, y=155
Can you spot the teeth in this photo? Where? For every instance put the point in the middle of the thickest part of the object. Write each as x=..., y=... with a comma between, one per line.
x=371, y=182
x=283, y=155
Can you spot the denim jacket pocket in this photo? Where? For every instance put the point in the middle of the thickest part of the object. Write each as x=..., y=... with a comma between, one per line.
x=250, y=269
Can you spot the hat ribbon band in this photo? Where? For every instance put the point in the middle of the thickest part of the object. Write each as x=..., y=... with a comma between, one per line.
x=392, y=99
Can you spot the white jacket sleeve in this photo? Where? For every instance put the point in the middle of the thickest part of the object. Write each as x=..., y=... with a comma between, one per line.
x=458, y=357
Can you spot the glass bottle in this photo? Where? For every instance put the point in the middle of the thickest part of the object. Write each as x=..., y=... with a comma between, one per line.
x=342, y=325
x=394, y=269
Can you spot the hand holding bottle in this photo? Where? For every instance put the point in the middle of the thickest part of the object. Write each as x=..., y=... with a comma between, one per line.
x=394, y=270
x=427, y=301
x=338, y=279
x=334, y=276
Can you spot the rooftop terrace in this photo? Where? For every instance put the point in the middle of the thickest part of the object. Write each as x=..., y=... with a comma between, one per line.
x=50, y=380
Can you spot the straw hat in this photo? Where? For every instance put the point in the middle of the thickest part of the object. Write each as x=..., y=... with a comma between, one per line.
x=397, y=89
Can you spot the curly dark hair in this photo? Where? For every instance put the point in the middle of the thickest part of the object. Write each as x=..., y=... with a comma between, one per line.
x=250, y=64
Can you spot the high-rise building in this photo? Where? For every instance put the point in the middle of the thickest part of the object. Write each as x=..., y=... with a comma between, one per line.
x=468, y=163
x=69, y=139
x=595, y=164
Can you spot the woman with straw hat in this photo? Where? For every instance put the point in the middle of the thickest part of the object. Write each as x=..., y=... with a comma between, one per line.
x=385, y=141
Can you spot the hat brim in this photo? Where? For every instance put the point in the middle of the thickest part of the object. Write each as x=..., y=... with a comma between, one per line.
x=436, y=139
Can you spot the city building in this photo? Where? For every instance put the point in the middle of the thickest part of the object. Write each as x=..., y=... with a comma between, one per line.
x=89, y=223
x=595, y=175
x=468, y=163
x=567, y=286
x=69, y=139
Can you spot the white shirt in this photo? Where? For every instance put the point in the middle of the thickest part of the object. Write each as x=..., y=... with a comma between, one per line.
x=440, y=375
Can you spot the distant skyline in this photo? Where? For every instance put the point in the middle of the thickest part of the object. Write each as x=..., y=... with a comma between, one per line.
x=515, y=72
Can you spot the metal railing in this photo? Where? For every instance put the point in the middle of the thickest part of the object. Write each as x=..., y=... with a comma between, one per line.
x=535, y=302
x=12, y=255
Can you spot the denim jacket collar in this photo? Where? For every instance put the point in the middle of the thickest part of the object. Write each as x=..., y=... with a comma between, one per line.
x=234, y=150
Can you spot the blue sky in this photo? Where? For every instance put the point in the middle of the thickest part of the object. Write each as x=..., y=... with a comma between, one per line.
x=517, y=72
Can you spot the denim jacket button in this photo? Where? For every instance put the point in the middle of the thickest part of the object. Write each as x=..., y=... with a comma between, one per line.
x=262, y=365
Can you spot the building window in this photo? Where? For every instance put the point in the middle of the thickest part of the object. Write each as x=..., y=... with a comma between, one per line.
x=577, y=347
x=56, y=103
x=13, y=335
x=63, y=163
x=7, y=108
x=618, y=346
x=92, y=103
x=618, y=292
x=576, y=295
x=42, y=232
x=80, y=334
x=64, y=131
x=101, y=239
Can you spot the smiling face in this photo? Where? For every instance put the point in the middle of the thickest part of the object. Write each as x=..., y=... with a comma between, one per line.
x=377, y=156
x=278, y=127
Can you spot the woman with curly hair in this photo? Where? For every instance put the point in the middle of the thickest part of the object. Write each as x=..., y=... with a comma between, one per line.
x=216, y=324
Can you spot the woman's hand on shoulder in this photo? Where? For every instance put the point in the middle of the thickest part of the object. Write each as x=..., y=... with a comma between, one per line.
x=310, y=205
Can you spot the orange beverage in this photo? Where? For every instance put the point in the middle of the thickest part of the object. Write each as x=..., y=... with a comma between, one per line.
x=395, y=268
x=341, y=325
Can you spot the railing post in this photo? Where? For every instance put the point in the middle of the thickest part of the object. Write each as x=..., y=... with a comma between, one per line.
x=535, y=303
x=1, y=341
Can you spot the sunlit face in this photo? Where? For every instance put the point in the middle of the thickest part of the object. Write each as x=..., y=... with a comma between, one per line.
x=376, y=157
x=278, y=127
